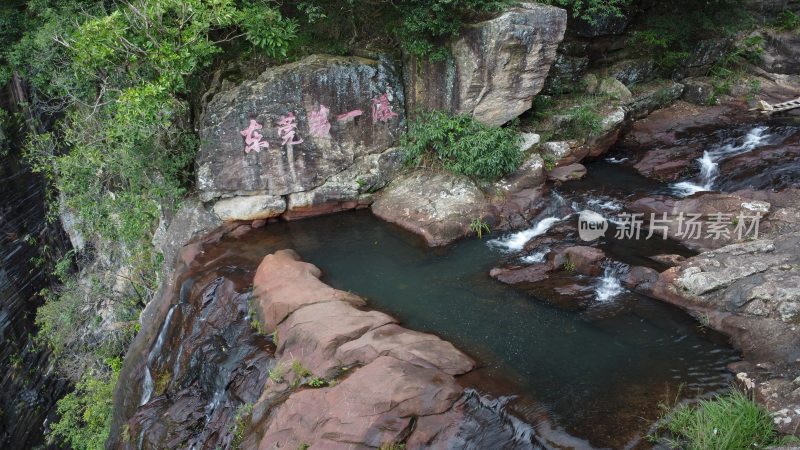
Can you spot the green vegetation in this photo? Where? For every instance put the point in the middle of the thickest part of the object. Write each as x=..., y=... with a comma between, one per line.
x=593, y=10
x=277, y=373
x=478, y=226
x=85, y=414
x=727, y=422
x=788, y=21
x=462, y=145
x=243, y=415
x=569, y=266
x=317, y=382
x=672, y=29
x=393, y=446
x=299, y=369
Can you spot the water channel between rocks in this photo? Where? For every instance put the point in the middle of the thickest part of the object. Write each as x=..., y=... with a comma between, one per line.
x=589, y=367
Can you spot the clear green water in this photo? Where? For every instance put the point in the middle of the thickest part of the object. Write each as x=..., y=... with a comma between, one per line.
x=598, y=375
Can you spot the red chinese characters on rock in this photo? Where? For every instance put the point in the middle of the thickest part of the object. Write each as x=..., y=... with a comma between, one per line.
x=252, y=138
x=287, y=126
x=318, y=124
x=349, y=115
x=381, y=109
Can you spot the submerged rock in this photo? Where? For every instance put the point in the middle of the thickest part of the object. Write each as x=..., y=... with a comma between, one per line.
x=495, y=67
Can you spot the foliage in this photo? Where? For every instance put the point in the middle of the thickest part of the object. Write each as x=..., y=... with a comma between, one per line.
x=393, y=446
x=593, y=10
x=787, y=21
x=426, y=22
x=725, y=422
x=85, y=414
x=583, y=120
x=478, y=226
x=672, y=30
x=299, y=369
x=277, y=373
x=569, y=266
x=243, y=415
x=317, y=382
x=462, y=145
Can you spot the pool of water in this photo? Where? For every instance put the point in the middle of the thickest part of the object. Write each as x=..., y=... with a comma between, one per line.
x=598, y=374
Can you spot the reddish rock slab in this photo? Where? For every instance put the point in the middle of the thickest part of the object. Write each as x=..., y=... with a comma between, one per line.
x=284, y=284
x=313, y=333
x=372, y=407
x=587, y=260
x=517, y=275
x=421, y=349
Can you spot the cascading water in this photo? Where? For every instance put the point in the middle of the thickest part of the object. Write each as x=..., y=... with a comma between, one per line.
x=609, y=285
x=147, y=383
x=551, y=215
x=709, y=162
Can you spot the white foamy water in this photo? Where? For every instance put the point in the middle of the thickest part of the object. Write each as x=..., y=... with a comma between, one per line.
x=516, y=241
x=609, y=286
x=616, y=160
x=147, y=382
x=607, y=205
x=709, y=162
x=536, y=257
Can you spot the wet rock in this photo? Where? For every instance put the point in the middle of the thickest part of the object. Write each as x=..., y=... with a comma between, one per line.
x=640, y=279
x=283, y=284
x=586, y=260
x=517, y=275
x=439, y=206
x=421, y=349
x=567, y=173
x=331, y=107
x=707, y=205
x=495, y=69
x=250, y=207
x=381, y=399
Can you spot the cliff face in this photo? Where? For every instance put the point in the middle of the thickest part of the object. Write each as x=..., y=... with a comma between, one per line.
x=30, y=388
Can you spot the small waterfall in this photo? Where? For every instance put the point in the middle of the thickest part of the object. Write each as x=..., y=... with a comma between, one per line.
x=147, y=382
x=147, y=386
x=709, y=162
x=609, y=286
x=535, y=257
x=514, y=242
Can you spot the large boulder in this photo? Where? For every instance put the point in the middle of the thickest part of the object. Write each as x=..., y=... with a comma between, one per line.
x=781, y=52
x=495, y=67
x=292, y=129
x=439, y=206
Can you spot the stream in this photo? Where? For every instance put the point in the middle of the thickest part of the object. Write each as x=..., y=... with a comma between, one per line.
x=582, y=359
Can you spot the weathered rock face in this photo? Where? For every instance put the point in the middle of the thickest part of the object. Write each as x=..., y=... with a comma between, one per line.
x=750, y=292
x=495, y=69
x=439, y=206
x=309, y=133
x=781, y=53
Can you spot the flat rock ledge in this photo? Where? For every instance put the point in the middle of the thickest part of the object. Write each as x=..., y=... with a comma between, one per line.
x=380, y=377
x=750, y=291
